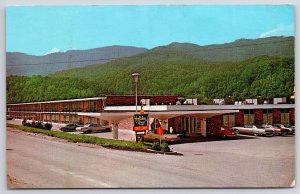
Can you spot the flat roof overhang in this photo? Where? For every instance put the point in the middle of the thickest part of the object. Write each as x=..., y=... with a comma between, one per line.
x=161, y=115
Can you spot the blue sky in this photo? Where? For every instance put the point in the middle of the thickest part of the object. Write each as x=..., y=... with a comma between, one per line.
x=39, y=30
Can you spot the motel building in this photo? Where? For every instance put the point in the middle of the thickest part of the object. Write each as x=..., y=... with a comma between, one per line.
x=183, y=115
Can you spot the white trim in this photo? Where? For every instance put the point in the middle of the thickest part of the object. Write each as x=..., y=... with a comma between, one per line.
x=54, y=101
x=132, y=108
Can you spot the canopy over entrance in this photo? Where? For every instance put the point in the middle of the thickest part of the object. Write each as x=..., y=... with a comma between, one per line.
x=113, y=117
x=116, y=114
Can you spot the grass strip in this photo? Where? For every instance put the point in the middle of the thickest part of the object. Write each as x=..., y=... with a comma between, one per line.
x=109, y=143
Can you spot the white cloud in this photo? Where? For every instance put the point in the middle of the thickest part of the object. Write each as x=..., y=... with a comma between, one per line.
x=280, y=30
x=54, y=50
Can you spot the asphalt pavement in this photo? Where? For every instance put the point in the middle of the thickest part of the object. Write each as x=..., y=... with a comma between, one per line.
x=36, y=161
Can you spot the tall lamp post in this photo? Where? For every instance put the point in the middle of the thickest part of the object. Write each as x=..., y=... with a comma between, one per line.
x=136, y=80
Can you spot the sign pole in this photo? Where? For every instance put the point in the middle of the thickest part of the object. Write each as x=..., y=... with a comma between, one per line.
x=160, y=140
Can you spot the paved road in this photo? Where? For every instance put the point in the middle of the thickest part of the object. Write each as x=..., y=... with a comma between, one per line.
x=35, y=161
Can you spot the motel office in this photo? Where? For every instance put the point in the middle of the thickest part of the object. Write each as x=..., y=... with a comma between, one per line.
x=173, y=111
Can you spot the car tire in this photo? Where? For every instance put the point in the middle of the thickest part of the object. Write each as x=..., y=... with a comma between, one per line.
x=236, y=131
x=284, y=134
x=255, y=134
x=224, y=136
x=88, y=131
x=212, y=134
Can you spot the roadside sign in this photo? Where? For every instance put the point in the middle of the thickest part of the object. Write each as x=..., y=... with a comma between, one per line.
x=140, y=122
x=160, y=131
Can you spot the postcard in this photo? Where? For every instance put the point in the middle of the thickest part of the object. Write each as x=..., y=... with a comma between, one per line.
x=150, y=96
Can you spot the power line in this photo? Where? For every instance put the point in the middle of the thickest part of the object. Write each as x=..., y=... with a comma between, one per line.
x=203, y=48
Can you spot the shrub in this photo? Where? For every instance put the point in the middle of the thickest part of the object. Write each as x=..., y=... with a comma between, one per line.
x=155, y=146
x=48, y=126
x=165, y=147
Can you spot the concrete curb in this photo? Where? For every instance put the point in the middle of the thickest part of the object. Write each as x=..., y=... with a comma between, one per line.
x=165, y=153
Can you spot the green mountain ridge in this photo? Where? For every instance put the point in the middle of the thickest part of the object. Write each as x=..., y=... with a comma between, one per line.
x=168, y=71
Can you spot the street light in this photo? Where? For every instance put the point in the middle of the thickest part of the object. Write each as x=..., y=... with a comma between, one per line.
x=136, y=80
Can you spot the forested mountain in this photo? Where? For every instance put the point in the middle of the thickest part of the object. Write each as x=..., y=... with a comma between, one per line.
x=261, y=76
x=23, y=64
x=236, y=51
x=166, y=71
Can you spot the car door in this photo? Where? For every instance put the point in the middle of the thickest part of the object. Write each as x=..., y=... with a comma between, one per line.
x=247, y=129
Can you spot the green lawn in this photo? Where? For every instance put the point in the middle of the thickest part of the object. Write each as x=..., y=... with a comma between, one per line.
x=109, y=143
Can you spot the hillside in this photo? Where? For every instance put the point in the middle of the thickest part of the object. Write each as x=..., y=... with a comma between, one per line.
x=23, y=64
x=165, y=70
x=238, y=50
x=261, y=76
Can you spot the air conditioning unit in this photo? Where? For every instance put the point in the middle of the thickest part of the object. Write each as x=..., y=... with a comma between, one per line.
x=279, y=100
x=251, y=101
x=192, y=101
x=145, y=102
x=219, y=101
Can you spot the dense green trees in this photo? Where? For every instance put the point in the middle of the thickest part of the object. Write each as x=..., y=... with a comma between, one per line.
x=181, y=74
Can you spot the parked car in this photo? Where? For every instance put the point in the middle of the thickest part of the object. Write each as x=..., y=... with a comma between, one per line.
x=69, y=127
x=285, y=127
x=224, y=132
x=88, y=128
x=79, y=127
x=277, y=130
x=293, y=129
x=253, y=130
x=9, y=117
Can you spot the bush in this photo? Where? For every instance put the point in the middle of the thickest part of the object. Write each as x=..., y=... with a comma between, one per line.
x=165, y=147
x=48, y=126
x=155, y=146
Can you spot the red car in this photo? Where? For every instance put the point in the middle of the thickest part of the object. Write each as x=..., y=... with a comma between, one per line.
x=224, y=132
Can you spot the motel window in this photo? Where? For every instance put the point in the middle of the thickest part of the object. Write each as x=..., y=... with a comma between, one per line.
x=268, y=116
x=285, y=116
x=75, y=119
x=48, y=117
x=67, y=119
x=229, y=119
x=90, y=120
x=189, y=124
x=47, y=107
x=65, y=107
x=76, y=107
x=92, y=106
x=249, y=117
x=55, y=118
x=54, y=107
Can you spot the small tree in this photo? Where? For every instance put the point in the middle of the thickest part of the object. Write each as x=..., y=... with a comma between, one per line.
x=165, y=147
x=155, y=146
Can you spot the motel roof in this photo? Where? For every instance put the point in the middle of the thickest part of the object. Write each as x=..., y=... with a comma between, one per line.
x=54, y=101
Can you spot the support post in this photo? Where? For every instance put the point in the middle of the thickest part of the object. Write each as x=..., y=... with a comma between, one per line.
x=203, y=127
x=115, y=130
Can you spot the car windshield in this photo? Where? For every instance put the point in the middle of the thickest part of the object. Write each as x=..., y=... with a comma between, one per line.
x=287, y=125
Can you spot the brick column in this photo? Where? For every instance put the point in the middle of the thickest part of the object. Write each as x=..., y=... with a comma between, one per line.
x=276, y=116
x=259, y=117
x=239, y=118
x=292, y=116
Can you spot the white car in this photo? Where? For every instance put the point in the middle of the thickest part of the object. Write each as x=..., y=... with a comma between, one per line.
x=253, y=130
x=286, y=127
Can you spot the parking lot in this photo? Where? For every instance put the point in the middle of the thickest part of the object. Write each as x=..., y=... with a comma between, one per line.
x=241, y=162
x=260, y=161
